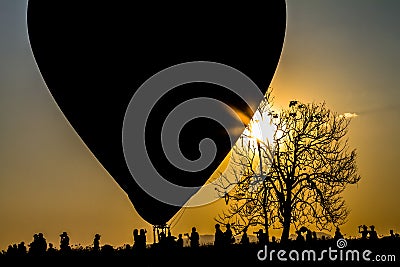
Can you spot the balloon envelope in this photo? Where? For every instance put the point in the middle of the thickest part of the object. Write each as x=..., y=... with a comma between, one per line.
x=94, y=56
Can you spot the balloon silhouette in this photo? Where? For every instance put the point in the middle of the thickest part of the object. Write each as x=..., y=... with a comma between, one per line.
x=95, y=57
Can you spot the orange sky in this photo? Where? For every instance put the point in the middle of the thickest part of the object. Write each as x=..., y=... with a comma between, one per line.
x=341, y=52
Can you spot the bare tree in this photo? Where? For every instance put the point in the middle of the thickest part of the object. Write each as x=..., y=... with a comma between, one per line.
x=244, y=186
x=245, y=190
x=307, y=167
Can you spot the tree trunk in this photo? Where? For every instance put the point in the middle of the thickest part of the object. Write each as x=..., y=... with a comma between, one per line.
x=286, y=231
x=265, y=215
x=286, y=223
x=265, y=195
x=266, y=229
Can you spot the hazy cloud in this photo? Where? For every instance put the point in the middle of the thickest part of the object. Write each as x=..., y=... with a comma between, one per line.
x=348, y=115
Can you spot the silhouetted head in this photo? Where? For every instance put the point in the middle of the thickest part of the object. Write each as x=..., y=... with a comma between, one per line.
x=41, y=235
x=372, y=227
x=142, y=231
x=180, y=235
x=217, y=226
x=391, y=232
x=193, y=229
x=50, y=245
x=135, y=232
x=228, y=226
x=97, y=236
x=64, y=234
x=303, y=229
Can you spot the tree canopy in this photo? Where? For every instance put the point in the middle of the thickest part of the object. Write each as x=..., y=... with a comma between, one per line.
x=297, y=177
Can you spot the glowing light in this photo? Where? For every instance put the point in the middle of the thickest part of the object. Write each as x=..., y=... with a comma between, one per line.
x=260, y=128
x=348, y=115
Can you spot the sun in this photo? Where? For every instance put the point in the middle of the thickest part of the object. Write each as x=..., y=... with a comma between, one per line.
x=260, y=129
x=255, y=130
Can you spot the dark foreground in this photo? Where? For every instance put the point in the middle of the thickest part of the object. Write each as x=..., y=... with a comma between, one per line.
x=327, y=253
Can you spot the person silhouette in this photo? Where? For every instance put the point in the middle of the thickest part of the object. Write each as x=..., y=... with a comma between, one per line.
x=364, y=232
x=228, y=236
x=261, y=237
x=170, y=240
x=218, y=236
x=51, y=250
x=338, y=234
x=42, y=244
x=245, y=238
x=136, y=238
x=64, y=242
x=21, y=248
x=33, y=246
x=12, y=250
x=300, y=237
x=39, y=245
x=194, y=238
x=142, y=239
x=392, y=235
x=162, y=239
x=372, y=233
x=96, y=243
x=179, y=242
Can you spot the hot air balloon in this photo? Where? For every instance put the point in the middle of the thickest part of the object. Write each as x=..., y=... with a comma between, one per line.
x=94, y=56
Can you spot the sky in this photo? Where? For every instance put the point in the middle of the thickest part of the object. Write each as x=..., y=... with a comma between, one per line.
x=343, y=52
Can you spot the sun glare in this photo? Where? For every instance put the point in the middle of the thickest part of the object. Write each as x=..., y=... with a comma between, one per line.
x=259, y=129
x=255, y=130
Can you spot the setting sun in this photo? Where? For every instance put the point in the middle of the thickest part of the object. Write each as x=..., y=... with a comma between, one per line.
x=260, y=128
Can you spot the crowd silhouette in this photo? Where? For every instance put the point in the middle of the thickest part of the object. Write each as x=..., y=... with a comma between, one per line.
x=371, y=234
x=224, y=240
